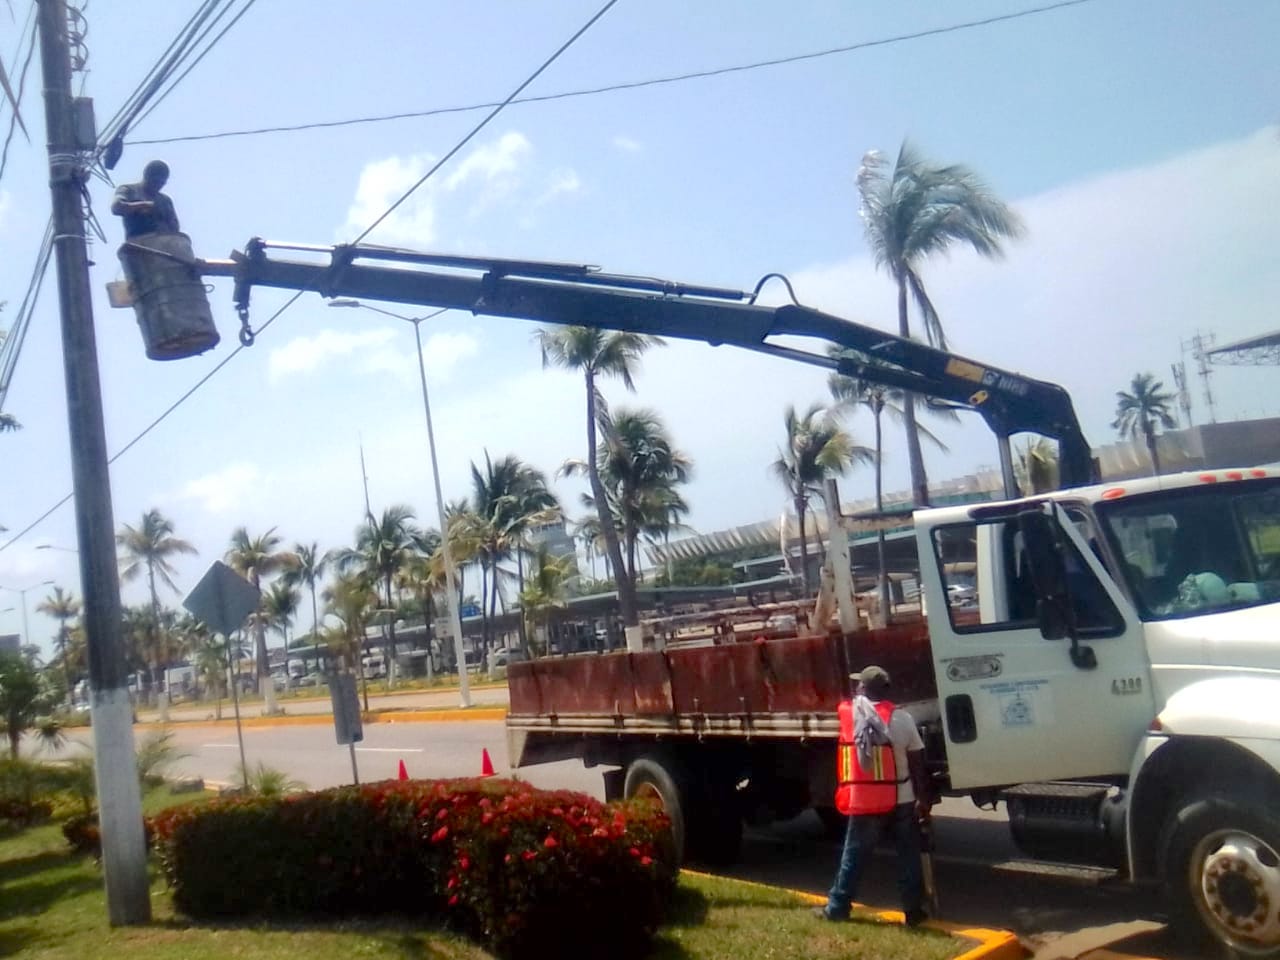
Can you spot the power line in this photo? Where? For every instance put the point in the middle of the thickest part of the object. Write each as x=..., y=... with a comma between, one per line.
x=22, y=86
x=485, y=122
x=294, y=299
x=629, y=85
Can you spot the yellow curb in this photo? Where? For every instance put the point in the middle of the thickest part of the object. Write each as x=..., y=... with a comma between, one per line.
x=992, y=944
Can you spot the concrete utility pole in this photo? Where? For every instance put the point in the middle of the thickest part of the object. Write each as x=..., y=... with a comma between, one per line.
x=124, y=854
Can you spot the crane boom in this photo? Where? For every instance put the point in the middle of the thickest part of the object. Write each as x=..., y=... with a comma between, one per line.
x=581, y=295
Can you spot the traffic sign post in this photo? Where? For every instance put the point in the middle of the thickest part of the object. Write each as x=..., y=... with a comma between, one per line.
x=221, y=601
x=347, y=724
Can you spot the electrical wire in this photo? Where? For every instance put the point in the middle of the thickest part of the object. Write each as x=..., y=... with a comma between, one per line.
x=154, y=423
x=485, y=122
x=203, y=53
x=630, y=85
x=22, y=85
x=294, y=299
x=12, y=344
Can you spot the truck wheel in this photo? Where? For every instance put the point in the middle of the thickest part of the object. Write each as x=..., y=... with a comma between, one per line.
x=1222, y=876
x=653, y=778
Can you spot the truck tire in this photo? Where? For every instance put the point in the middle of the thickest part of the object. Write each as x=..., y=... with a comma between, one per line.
x=1222, y=876
x=656, y=778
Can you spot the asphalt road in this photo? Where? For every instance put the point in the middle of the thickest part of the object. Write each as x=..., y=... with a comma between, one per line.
x=1056, y=918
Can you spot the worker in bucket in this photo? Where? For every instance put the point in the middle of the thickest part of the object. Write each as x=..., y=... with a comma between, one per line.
x=881, y=785
x=143, y=207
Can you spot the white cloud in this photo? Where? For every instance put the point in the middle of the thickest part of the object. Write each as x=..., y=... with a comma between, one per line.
x=5, y=203
x=626, y=144
x=442, y=353
x=307, y=354
x=382, y=183
x=562, y=182
x=485, y=178
x=224, y=490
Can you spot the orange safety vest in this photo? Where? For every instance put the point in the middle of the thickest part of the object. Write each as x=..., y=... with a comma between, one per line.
x=871, y=789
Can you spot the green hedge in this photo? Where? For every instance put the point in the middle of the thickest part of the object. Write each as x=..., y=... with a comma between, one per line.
x=528, y=873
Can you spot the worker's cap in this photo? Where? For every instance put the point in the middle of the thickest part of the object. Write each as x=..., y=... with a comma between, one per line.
x=871, y=677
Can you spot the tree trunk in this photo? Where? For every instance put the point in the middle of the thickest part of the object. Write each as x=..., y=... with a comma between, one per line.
x=524, y=633
x=161, y=683
x=265, y=686
x=1149, y=433
x=882, y=575
x=804, y=547
x=391, y=634
x=627, y=606
x=915, y=458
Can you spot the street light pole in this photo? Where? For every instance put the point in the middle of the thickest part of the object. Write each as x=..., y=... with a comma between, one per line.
x=26, y=632
x=450, y=571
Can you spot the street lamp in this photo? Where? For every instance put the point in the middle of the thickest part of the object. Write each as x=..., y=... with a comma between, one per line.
x=26, y=636
x=451, y=592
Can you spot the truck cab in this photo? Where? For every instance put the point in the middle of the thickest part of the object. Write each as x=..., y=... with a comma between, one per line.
x=1117, y=680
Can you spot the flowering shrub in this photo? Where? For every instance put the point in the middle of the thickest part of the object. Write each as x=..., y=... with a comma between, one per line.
x=85, y=835
x=23, y=813
x=527, y=872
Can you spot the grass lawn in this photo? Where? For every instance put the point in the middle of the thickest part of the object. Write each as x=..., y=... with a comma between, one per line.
x=52, y=906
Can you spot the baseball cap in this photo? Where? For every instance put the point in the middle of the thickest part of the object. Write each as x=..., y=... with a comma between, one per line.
x=872, y=676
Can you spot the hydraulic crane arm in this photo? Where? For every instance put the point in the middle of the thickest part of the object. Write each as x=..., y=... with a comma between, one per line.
x=582, y=296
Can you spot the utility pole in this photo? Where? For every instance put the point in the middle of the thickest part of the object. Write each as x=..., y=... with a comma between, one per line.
x=124, y=855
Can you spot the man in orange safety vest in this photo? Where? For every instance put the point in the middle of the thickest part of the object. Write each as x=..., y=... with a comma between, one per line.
x=881, y=784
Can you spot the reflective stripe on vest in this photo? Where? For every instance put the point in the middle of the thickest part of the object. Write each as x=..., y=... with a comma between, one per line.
x=871, y=789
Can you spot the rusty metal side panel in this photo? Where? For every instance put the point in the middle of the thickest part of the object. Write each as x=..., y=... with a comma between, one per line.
x=652, y=681
x=802, y=674
x=903, y=650
x=524, y=689
x=728, y=678
x=591, y=685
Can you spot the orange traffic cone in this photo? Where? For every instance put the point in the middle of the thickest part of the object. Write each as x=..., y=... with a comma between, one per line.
x=486, y=765
x=404, y=774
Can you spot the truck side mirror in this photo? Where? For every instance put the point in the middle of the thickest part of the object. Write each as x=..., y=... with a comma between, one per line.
x=1046, y=558
x=1048, y=573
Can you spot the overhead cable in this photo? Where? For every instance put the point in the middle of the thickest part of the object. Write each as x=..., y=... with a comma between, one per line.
x=626, y=85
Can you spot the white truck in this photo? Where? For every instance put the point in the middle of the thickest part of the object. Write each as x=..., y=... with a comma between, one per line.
x=1116, y=683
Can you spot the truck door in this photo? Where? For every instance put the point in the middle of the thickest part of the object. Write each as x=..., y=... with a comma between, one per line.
x=1015, y=708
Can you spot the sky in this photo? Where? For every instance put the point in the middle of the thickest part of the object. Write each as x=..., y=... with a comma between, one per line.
x=1138, y=139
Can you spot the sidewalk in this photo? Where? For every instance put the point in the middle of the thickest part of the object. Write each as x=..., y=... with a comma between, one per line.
x=435, y=701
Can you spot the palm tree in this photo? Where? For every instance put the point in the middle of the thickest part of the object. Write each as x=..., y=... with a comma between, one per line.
x=508, y=498
x=383, y=546
x=255, y=558
x=9, y=423
x=1139, y=411
x=911, y=213
x=149, y=547
x=22, y=699
x=279, y=607
x=640, y=469
x=850, y=393
x=352, y=598
x=544, y=593
x=64, y=608
x=600, y=353
x=1036, y=466
x=816, y=447
x=308, y=569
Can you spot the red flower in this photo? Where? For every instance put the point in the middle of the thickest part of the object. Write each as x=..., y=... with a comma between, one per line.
x=529, y=855
x=464, y=863
x=645, y=861
x=439, y=834
x=444, y=812
x=453, y=901
x=551, y=842
x=634, y=852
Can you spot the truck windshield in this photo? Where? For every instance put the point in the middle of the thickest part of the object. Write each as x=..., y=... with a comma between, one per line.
x=1200, y=550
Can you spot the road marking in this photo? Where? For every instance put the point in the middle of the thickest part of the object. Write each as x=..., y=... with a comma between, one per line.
x=391, y=749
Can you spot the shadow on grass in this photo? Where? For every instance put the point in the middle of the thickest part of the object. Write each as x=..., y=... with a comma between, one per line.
x=17, y=938
x=34, y=884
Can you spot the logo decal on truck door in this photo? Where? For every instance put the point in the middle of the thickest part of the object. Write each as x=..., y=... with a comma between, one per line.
x=1022, y=703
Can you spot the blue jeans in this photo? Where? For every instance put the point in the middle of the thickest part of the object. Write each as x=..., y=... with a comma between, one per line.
x=860, y=839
